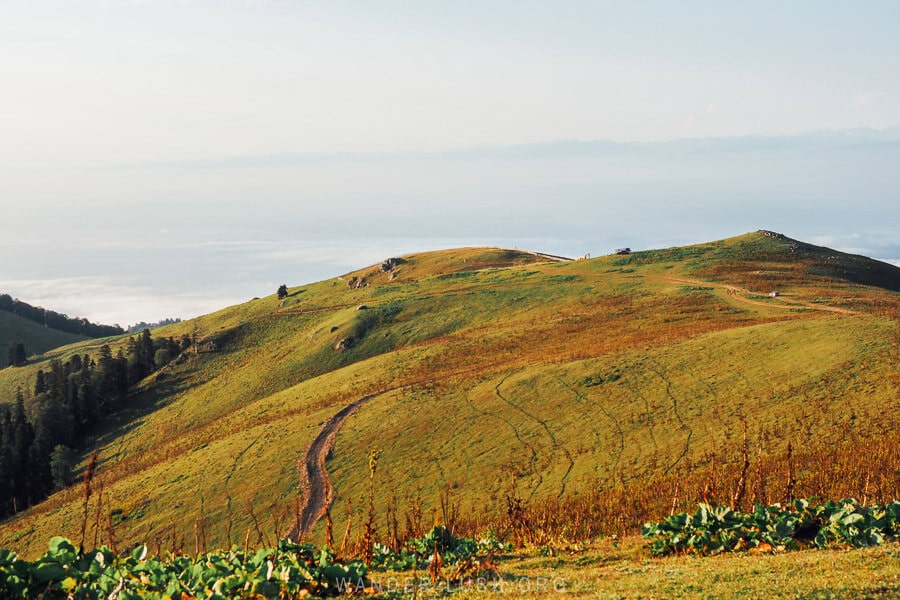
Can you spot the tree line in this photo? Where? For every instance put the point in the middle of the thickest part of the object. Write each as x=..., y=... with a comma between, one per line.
x=40, y=433
x=145, y=325
x=16, y=356
x=57, y=321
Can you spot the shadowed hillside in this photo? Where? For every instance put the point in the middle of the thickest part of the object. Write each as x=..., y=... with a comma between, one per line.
x=36, y=338
x=767, y=259
x=495, y=376
x=41, y=330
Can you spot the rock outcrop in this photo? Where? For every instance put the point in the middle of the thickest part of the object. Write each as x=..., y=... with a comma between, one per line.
x=389, y=264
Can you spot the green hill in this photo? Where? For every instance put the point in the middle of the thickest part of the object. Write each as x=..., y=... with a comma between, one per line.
x=766, y=259
x=609, y=390
x=37, y=338
x=40, y=329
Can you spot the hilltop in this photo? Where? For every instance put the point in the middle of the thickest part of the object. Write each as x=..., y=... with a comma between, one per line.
x=490, y=377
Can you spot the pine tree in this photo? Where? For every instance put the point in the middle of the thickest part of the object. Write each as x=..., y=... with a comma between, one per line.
x=56, y=380
x=282, y=291
x=147, y=351
x=40, y=383
x=62, y=461
x=106, y=389
x=21, y=354
x=6, y=462
x=22, y=439
x=15, y=354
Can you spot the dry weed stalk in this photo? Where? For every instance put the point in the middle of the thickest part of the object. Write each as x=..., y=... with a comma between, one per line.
x=369, y=536
x=345, y=541
x=391, y=524
x=413, y=516
x=88, y=477
x=675, y=497
x=791, y=481
x=110, y=529
x=98, y=517
x=229, y=519
x=329, y=530
x=437, y=563
x=741, y=487
x=449, y=508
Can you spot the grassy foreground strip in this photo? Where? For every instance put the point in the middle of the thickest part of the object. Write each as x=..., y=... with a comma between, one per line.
x=608, y=568
x=620, y=569
x=438, y=563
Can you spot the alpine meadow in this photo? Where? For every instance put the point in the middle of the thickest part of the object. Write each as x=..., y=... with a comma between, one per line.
x=484, y=421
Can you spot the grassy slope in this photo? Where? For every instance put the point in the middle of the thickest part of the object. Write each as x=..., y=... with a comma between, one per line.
x=23, y=377
x=536, y=379
x=37, y=338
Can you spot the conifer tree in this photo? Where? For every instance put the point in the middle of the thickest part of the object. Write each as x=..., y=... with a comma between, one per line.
x=62, y=461
x=22, y=439
x=15, y=354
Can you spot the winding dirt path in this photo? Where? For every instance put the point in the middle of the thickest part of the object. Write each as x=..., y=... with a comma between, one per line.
x=313, y=474
x=740, y=294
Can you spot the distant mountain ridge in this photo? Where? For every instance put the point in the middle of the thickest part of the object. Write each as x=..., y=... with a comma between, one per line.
x=850, y=139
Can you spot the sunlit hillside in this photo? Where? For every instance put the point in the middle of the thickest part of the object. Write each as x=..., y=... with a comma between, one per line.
x=491, y=375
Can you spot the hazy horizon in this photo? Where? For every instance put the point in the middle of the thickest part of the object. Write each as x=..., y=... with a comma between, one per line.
x=168, y=158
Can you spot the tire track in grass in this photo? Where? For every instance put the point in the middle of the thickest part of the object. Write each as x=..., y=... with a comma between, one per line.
x=515, y=431
x=238, y=457
x=579, y=396
x=234, y=464
x=554, y=442
x=741, y=294
x=684, y=426
x=716, y=402
x=562, y=482
x=448, y=441
x=635, y=390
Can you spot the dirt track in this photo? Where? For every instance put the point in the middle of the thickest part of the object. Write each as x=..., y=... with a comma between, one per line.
x=740, y=294
x=314, y=478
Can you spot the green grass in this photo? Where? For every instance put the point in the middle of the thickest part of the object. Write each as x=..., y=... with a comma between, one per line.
x=37, y=338
x=490, y=351
x=621, y=569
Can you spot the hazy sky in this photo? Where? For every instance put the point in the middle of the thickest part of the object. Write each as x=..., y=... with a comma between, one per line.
x=166, y=158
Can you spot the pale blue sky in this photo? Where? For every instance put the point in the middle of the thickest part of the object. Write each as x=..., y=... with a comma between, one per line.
x=189, y=154
x=91, y=82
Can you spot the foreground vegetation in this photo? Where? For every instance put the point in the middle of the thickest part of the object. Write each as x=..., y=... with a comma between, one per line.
x=712, y=530
x=285, y=571
x=439, y=563
x=288, y=571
